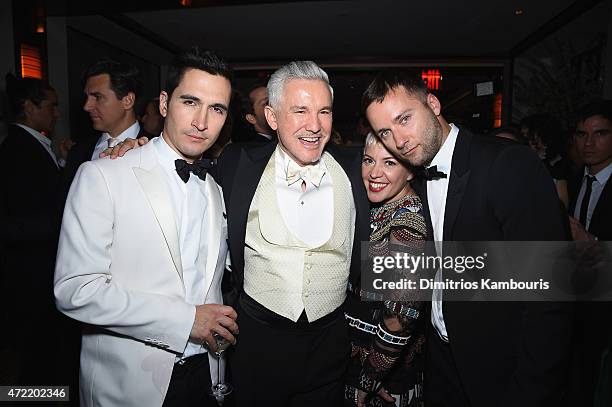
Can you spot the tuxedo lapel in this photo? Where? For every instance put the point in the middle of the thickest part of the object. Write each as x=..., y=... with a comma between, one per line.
x=459, y=176
x=212, y=226
x=153, y=183
x=248, y=173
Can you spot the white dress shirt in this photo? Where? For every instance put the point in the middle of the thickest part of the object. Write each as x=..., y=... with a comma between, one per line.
x=301, y=211
x=601, y=178
x=102, y=144
x=44, y=141
x=436, y=198
x=190, y=206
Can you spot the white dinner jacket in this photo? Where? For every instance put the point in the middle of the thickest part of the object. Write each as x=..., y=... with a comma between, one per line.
x=119, y=271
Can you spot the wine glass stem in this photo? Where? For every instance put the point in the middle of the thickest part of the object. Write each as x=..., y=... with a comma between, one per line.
x=218, y=369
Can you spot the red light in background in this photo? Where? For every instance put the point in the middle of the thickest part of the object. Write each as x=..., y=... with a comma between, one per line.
x=432, y=78
x=497, y=110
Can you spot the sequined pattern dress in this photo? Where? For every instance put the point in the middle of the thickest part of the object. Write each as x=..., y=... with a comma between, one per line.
x=381, y=356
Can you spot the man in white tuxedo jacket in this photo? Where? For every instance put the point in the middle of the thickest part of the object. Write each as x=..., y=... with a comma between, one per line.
x=142, y=253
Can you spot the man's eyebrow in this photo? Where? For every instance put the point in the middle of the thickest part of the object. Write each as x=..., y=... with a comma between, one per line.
x=402, y=114
x=94, y=93
x=189, y=97
x=220, y=106
x=298, y=108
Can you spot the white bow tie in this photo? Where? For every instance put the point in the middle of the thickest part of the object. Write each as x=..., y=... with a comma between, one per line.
x=310, y=173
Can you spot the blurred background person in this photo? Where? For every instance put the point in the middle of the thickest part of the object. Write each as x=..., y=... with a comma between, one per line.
x=151, y=121
x=547, y=138
x=29, y=217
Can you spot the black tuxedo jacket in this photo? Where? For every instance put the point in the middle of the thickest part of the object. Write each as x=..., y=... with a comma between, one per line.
x=29, y=229
x=506, y=354
x=601, y=221
x=29, y=180
x=240, y=168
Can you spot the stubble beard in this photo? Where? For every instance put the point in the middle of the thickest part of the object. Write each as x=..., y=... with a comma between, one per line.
x=432, y=141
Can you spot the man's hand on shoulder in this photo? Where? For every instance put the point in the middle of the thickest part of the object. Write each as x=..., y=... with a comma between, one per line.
x=214, y=318
x=126, y=145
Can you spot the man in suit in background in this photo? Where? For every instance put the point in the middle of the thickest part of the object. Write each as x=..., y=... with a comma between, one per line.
x=479, y=189
x=591, y=221
x=297, y=211
x=143, y=249
x=111, y=89
x=591, y=203
x=29, y=178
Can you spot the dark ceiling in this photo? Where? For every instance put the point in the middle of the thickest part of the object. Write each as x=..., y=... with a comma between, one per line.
x=358, y=32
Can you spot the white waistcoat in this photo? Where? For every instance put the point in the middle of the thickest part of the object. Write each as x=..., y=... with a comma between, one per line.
x=284, y=274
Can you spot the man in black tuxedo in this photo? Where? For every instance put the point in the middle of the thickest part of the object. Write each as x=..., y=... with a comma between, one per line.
x=297, y=210
x=29, y=216
x=590, y=212
x=111, y=89
x=479, y=354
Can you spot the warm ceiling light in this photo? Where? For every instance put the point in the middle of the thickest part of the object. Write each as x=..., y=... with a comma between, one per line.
x=185, y=3
x=518, y=12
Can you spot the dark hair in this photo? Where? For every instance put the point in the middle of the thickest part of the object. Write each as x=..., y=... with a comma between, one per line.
x=195, y=58
x=19, y=90
x=386, y=81
x=124, y=78
x=601, y=108
x=247, y=103
x=548, y=129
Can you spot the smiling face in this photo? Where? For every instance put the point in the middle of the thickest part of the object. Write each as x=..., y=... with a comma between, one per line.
x=303, y=119
x=385, y=179
x=195, y=112
x=408, y=127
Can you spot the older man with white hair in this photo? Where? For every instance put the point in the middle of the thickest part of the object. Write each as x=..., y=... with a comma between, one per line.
x=296, y=212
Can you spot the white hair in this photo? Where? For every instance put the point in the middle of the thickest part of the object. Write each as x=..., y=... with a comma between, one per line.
x=294, y=70
x=371, y=140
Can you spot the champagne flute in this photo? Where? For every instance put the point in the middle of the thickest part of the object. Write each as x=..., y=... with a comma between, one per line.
x=220, y=389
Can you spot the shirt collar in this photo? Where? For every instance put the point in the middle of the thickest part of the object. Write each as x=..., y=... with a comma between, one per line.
x=444, y=157
x=130, y=132
x=36, y=134
x=166, y=154
x=603, y=175
x=269, y=137
x=283, y=158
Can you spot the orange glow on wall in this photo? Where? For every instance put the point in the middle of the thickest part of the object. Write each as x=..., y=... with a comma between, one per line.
x=432, y=78
x=497, y=110
x=31, y=65
x=185, y=3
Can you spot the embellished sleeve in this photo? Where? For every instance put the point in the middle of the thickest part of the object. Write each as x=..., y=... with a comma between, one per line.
x=399, y=319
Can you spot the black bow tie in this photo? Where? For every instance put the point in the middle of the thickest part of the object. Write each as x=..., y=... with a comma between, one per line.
x=432, y=173
x=199, y=168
